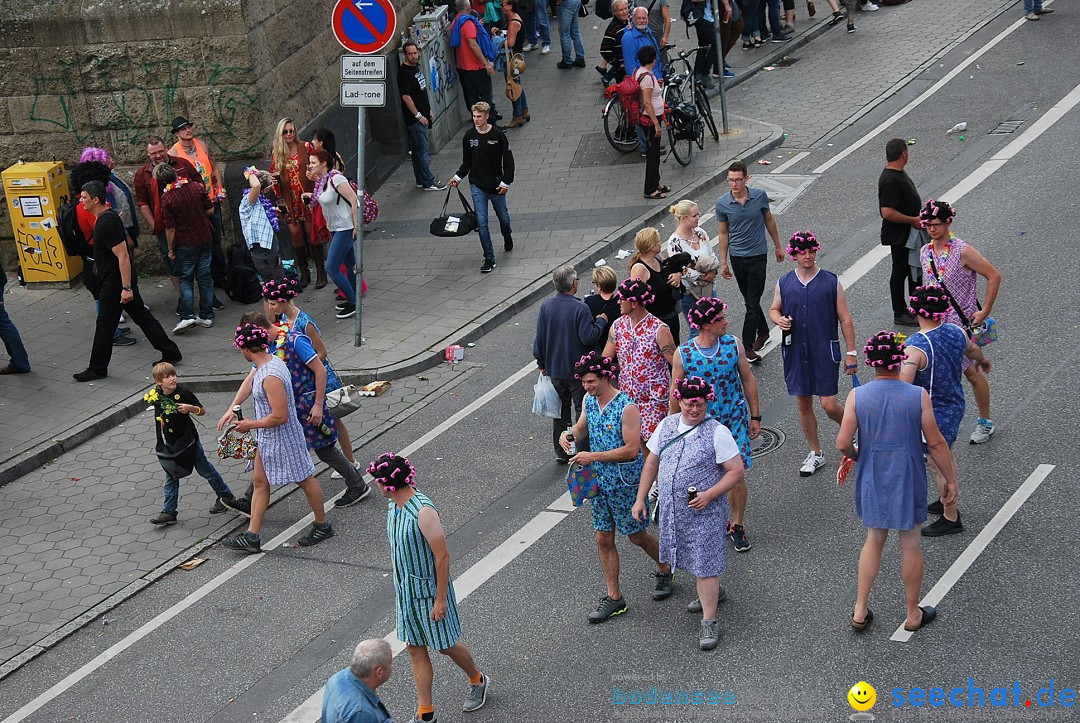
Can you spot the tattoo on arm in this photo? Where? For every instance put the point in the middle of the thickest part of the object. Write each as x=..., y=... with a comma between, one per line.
x=668, y=348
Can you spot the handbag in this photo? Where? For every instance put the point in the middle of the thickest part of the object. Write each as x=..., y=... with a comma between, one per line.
x=513, y=90
x=983, y=334
x=513, y=85
x=581, y=482
x=320, y=232
x=343, y=401
x=236, y=445
x=177, y=458
x=459, y=224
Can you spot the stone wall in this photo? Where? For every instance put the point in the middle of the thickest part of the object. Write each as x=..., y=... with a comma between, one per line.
x=111, y=72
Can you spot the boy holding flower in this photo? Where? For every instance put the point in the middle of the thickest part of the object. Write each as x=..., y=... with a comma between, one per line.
x=178, y=446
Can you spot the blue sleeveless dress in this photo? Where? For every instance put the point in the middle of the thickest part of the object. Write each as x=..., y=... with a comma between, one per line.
x=943, y=376
x=812, y=362
x=617, y=482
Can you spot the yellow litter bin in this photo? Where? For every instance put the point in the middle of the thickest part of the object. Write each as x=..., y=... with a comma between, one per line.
x=35, y=192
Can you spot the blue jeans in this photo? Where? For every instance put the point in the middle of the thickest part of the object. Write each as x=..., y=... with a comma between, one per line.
x=568, y=31
x=538, y=27
x=12, y=341
x=480, y=200
x=750, y=19
x=194, y=265
x=163, y=247
x=205, y=470
x=521, y=104
x=341, y=252
x=772, y=9
x=1031, y=6
x=421, y=156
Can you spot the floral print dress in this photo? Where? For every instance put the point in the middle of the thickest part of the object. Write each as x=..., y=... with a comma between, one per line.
x=644, y=373
x=719, y=366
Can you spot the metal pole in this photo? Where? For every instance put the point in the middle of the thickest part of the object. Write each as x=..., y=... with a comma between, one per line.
x=718, y=19
x=358, y=242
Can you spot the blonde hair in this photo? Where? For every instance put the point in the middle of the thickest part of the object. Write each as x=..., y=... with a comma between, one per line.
x=280, y=150
x=481, y=107
x=682, y=209
x=644, y=240
x=162, y=370
x=605, y=278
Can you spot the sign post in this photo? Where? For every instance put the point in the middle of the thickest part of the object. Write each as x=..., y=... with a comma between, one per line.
x=363, y=27
x=718, y=20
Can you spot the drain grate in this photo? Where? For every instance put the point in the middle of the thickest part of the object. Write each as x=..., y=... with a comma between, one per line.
x=594, y=150
x=771, y=439
x=786, y=62
x=1006, y=128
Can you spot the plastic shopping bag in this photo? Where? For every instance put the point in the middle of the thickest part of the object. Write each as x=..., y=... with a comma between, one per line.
x=546, y=400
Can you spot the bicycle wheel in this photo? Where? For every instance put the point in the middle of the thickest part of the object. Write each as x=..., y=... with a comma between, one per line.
x=620, y=134
x=705, y=109
x=681, y=148
x=699, y=134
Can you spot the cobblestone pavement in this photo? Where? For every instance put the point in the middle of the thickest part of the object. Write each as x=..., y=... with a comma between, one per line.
x=75, y=537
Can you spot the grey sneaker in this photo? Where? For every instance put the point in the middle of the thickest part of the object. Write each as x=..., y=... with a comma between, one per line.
x=608, y=608
x=476, y=695
x=665, y=582
x=165, y=518
x=983, y=429
x=317, y=534
x=695, y=606
x=709, y=637
x=183, y=325
x=352, y=496
x=244, y=542
x=218, y=507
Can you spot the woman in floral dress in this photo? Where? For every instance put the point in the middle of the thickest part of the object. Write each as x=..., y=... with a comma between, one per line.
x=288, y=162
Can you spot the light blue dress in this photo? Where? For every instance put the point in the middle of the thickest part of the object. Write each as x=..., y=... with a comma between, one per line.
x=283, y=450
x=943, y=376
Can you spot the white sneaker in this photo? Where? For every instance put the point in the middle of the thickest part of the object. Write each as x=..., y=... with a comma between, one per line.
x=869, y=6
x=204, y=323
x=183, y=325
x=123, y=319
x=337, y=475
x=983, y=429
x=545, y=50
x=529, y=46
x=811, y=464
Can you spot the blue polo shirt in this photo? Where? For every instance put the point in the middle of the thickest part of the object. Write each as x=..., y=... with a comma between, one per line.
x=745, y=222
x=348, y=700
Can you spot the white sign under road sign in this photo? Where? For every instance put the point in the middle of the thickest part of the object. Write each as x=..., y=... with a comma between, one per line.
x=363, y=95
x=363, y=67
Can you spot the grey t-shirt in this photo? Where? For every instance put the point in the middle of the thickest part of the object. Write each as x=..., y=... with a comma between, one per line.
x=656, y=16
x=746, y=222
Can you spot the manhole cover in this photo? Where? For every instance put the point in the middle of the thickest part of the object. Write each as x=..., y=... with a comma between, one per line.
x=594, y=150
x=770, y=440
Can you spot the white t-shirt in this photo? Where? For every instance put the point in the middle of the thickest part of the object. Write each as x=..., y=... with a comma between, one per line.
x=336, y=211
x=675, y=244
x=723, y=442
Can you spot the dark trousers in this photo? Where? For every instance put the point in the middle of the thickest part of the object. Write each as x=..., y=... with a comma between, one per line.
x=901, y=272
x=652, y=157
x=108, y=317
x=476, y=87
x=706, y=40
x=749, y=272
x=729, y=35
x=569, y=390
x=217, y=254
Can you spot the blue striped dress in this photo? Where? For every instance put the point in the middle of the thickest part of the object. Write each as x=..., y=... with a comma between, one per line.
x=414, y=580
x=283, y=450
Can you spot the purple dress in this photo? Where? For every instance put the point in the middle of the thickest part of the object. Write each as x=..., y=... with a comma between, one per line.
x=963, y=283
x=812, y=362
x=333, y=381
x=284, y=453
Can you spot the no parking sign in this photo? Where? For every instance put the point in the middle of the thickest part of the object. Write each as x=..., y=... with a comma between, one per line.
x=363, y=26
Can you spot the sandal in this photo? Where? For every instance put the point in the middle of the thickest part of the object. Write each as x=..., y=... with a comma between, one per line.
x=866, y=621
x=810, y=9
x=655, y=195
x=663, y=189
x=929, y=612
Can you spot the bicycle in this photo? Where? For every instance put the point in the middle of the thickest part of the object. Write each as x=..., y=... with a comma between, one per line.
x=695, y=91
x=620, y=133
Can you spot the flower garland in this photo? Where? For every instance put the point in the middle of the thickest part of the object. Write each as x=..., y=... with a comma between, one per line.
x=268, y=207
x=168, y=406
x=320, y=186
x=177, y=184
x=939, y=259
x=282, y=337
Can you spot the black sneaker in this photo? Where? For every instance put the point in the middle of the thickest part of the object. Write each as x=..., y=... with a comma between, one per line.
x=352, y=496
x=346, y=311
x=665, y=583
x=244, y=542
x=579, y=63
x=943, y=527
x=737, y=535
x=339, y=306
x=935, y=508
x=508, y=244
x=564, y=66
x=165, y=518
x=317, y=534
x=123, y=340
x=241, y=505
x=123, y=330
x=218, y=306
x=608, y=608
x=218, y=507
x=87, y=375
x=488, y=267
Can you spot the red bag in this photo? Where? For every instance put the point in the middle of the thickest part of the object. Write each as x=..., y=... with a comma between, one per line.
x=629, y=91
x=320, y=232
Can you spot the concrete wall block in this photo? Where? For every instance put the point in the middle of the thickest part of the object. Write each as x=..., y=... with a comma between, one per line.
x=128, y=112
x=231, y=119
x=55, y=113
x=105, y=68
x=167, y=64
x=228, y=58
x=5, y=120
x=128, y=150
x=38, y=147
x=284, y=36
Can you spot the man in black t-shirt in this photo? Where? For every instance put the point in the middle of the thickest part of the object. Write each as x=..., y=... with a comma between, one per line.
x=899, y=203
x=412, y=84
x=115, y=270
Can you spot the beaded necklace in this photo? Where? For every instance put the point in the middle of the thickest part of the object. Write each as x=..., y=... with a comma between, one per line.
x=177, y=184
x=939, y=259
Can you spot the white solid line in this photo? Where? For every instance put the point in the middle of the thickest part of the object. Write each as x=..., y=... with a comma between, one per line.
x=563, y=504
x=790, y=162
x=466, y=584
x=923, y=96
x=980, y=543
x=241, y=565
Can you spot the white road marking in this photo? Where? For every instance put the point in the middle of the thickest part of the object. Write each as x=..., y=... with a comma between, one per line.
x=790, y=162
x=242, y=564
x=923, y=96
x=980, y=543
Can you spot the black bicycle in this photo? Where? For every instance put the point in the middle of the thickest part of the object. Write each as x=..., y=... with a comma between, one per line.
x=688, y=104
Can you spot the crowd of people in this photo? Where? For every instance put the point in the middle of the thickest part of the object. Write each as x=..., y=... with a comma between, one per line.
x=666, y=427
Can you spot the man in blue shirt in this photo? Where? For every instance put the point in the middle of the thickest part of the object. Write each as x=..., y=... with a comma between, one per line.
x=637, y=36
x=744, y=216
x=350, y=693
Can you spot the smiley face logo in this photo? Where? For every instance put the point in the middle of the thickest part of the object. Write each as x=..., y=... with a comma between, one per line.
x=862, y=696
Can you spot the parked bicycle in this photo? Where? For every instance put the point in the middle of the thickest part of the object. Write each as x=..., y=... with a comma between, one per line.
x=687, y=108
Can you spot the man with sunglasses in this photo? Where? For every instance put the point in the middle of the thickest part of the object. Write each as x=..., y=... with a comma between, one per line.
x=194, y=151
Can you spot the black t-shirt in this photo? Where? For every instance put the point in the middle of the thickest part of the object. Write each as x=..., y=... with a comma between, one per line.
x=413, y=83
x=109, y=231
x=177, y=425
x=597, y=306
x=897, y=190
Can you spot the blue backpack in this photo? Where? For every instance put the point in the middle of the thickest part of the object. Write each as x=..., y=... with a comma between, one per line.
x=483, y=37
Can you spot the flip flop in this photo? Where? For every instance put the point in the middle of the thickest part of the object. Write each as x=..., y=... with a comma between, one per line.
x=866, y=621
x=929, y=612
x=655, y=195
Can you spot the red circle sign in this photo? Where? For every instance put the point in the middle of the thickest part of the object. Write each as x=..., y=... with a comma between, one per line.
x=364, y=26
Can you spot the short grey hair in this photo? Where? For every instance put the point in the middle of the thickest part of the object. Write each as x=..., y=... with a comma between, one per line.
x=564, y=278
x=462, y=5
x=615, y=5
x=369, y=655
x=164, y=173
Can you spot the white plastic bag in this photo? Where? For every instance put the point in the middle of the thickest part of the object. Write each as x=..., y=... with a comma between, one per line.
x=546, y=400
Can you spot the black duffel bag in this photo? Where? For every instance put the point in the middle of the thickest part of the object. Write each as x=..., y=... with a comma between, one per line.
x=455, y=224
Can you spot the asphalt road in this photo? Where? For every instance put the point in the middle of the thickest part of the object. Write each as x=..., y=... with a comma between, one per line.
x=261, y=643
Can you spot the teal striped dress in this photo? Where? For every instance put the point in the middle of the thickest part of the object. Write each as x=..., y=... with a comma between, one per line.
x=414, y=580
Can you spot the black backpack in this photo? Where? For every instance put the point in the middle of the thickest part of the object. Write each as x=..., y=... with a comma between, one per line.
x=241, y=281
x=603, y=9
x=67, y=225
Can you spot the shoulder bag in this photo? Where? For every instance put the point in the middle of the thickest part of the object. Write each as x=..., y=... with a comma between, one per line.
x=459, y=224
x=983, y=334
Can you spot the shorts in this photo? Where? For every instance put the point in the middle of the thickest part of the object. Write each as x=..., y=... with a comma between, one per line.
x=616, y=502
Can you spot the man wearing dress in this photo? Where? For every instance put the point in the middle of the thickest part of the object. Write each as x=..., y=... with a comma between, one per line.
x=808, y=305
x=425, y=603
x=891, y=418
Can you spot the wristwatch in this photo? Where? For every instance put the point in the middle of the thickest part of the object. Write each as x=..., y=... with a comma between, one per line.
x=754, y=419
x=125, y=288
x=419, y=115
x=851, y=353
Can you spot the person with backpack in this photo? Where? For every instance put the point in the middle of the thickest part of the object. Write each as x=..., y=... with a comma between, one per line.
x=474, y=55
x=650, y=120
x=340, y=207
